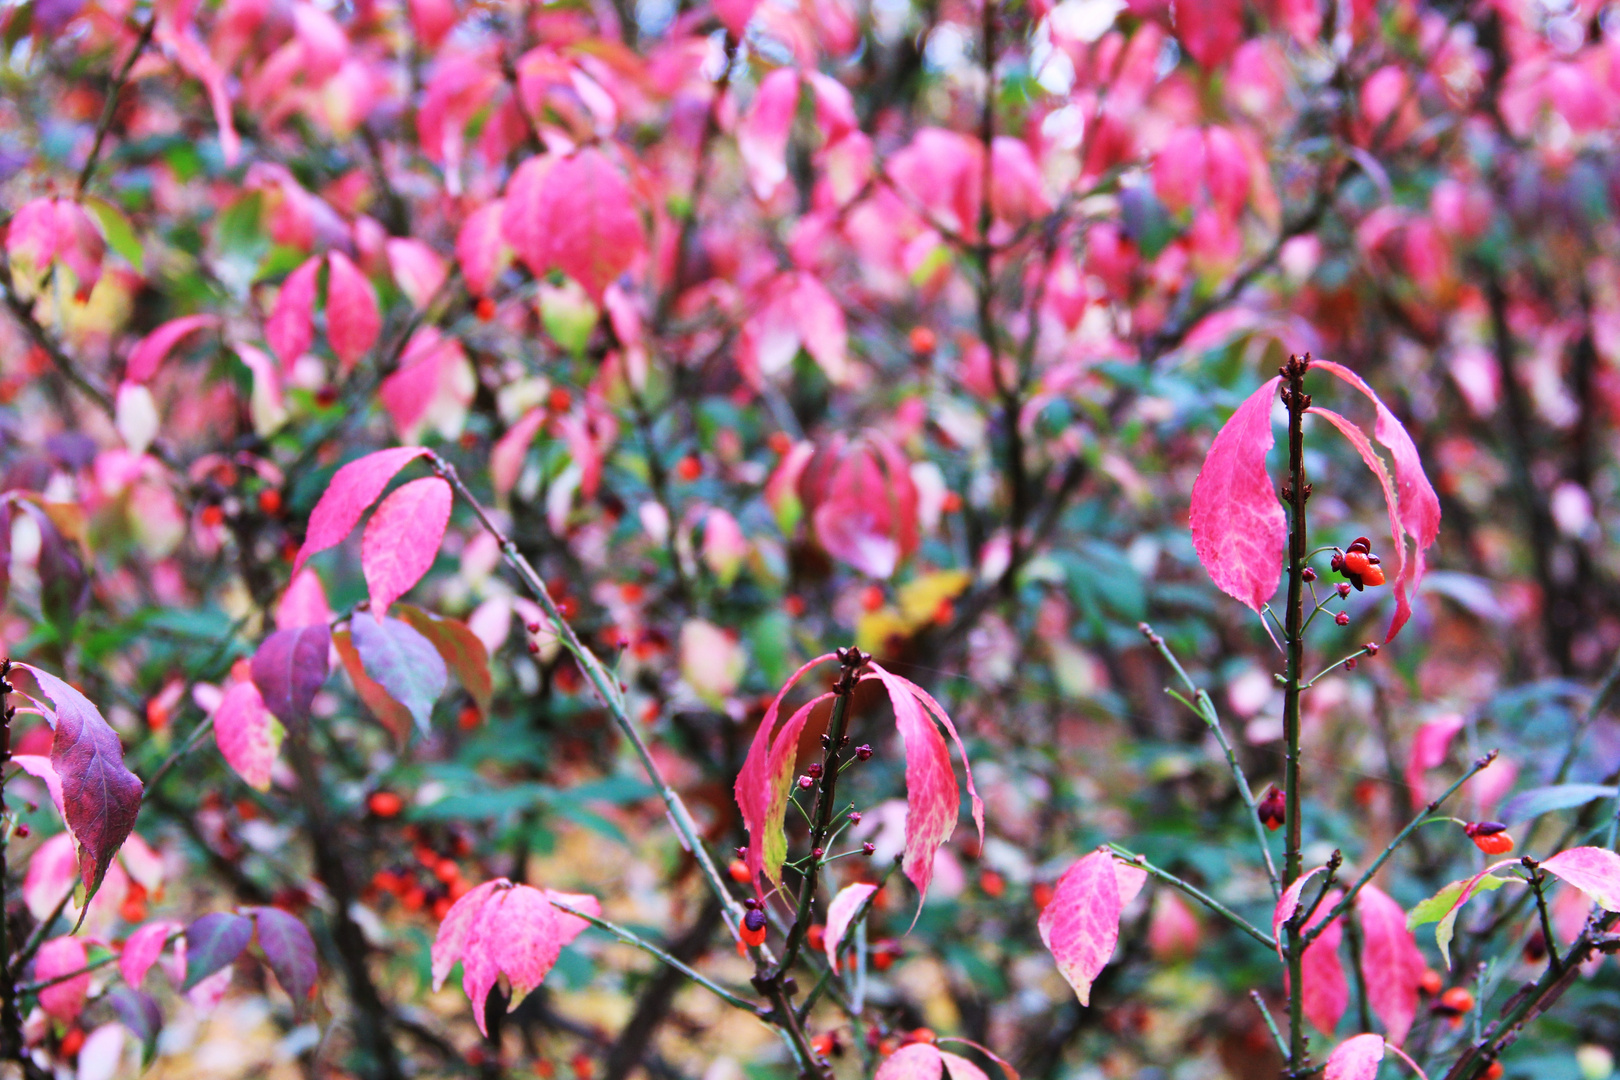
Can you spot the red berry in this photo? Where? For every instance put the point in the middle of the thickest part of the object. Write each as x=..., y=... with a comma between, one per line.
x=270, y=501
x=690, y=468
x=753, y=928
x=385, y=804
x=485, y=309
x=1455, y=1001
x=212, y=516
x=739, y=872
x=1430, y=982
x=72, y=1042
x=923, y=340
x=559, y=400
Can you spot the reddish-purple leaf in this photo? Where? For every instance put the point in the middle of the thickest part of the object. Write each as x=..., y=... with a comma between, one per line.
x=753, y=786
x=403, y=663
x=480, y=249
x=402, y=539
x=289, y=950
x=918, y=1061
x=1287, y=904
x=100, y=797
x=1238, y=526
x=247, y=735
x=1080, y=924
x=212, y=942
x=1324, y=991
x=156, y=346
x=762, y=134
x=1594, y=871
x=289, y=667
x=141, y=1014
x=353, y=488
x=463, y=652
x=143, y=947
x=390, y=713
x=589, y=216
x=1417, y=507
x=840, y=913
x=57, y=957
x=1391, y=961
x=1356, y=1058
x=352, y=319
x=291, y=326
x=40, y=767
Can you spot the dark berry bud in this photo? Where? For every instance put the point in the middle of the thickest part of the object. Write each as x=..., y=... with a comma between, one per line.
x=1307, y=574
x=854, y=817
x=818, y=852
x=750, y=903
x=1350, y=664
x=1344, y=588
x=868, y=849
x=814, y=770
x=1372, y=648
x=806, y=783
x=863, y=752
x=533, y=628
x=754, y=920
x=23, y=830
x=534, y=648
x=790, y=986
x=1337, y=562
x=742, y=853
x=1342, y=619
x=1272, y=810
x=1361, y=544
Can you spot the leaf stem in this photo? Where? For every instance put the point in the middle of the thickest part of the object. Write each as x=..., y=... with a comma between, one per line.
x=1197, y=894
x=639, y=942
x=1271, y=1023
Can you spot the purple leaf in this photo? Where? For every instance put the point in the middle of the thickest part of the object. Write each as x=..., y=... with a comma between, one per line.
x=290, y=952
x=100, y=797
x=214, y=941
x=462, y=650
x=140, y=1012
x=402, y=661
x=289, y=667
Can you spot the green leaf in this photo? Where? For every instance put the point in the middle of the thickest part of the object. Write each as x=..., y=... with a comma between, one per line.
x=117, y=229
x=1528, y=805
x=1447, y=904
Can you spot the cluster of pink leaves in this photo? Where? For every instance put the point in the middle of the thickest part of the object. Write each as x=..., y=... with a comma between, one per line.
x=503, y=931
x=933, y=799
x=1240, y=530
x=857, y=497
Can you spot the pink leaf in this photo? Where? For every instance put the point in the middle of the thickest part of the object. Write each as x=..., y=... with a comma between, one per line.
x=79, y=245
x=156, y=346
x=52, y=870
x=918, y=1061
x=1418, y=506
x=480, y=249
x=590, y=214
x=479, y=971
x=417, y=269
x=427, y=370
x=353, y=488
x=526, y=937
x=753, y=786
x=932, y=797
x=41, y=768
x=524, y=220
x=352, y=320
x=248, y=736
x=1324, y=991
x=835, y=106
x=31, y=236
x=1239, y=528
x=779, y=785
x=304, y=602
x=1356, y=1058
x=57, y=957
x=451, y=940
x=569, y=925
x=1391, y=961
x=99, y=794
x=507, y=455
x=1594, y=871
x=1429, y=747
x=762, y=135
x=1288, y=903
x=402, y=539
x=960, y=1068
x=977, y=803
x=432, y=20
x=821, y=327
x=291, y=326
x=1080, y=925
x=840, y=913
x=142, y=949
x=734, y=15
x=1210, y=29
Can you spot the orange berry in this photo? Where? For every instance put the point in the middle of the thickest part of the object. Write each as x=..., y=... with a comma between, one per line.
x=385, y=881
x=1355, y=562
x=441, y=908
x=793, y=604
x=582, y=1066
x=1429, y=982
x=133, y=909
x=816, y=937
x=385, y=804
x=690, y=468
x=447, y=871
x=415, y=897
x=212, y=516
x=1494, y=1071
x=882, y=961
x=918, y=1035
x=485, y=309
x=752, y=930
x=1495, y=843
x=992, y=884
x=1373, y=575
x=1456, y=1001
x=270, y=501
x=923, y=340
x=72, y=1042
x=951, y=503
x=779, y=442
x=459, y=888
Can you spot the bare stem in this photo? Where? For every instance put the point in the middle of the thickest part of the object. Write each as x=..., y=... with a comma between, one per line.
x=661, y=956
x=1294, y=494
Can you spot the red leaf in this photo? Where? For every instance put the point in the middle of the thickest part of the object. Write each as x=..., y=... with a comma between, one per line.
x=479, y=246
x=156, y=346
x=1356, y=1058
x=57, y=957
x=932, y=797
x=840, y=913
x=779, y=787
x=1210, y=29
x=353, y=488
x=1594, y=871
x=247, y=735
x=291, y=326
x=1080, y=925
x=402, y=539
x=1324, y=991
x=99, y=794
x=918, y=1061
x=289, y=667
x=456, y=927
x=1391, y=961
x=352, y=320
x=1239, y=528
x=753, y=786
x=590, y=217
x=762, y=135
x=1418, y=507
